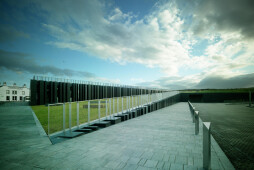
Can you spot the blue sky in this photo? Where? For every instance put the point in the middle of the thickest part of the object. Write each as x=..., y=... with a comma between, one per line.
x=165, y=44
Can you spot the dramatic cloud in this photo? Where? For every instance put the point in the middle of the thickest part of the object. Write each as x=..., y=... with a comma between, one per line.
x=242, y=81
x=156, y=40
x=223, y=16
x=192, y=82
x=192, y=42
x=20, y=62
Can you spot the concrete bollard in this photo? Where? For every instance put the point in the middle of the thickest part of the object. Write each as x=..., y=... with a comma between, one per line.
x=206, y=145
x=196, y=122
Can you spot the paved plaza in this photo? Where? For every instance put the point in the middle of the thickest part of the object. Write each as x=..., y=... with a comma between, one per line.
x=163, y=139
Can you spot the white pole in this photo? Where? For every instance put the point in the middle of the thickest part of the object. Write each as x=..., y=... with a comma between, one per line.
x=78, y=115
x=64, y=118
x=106, y=108
x=70, y=117
x=48, y=119
x=88, y=107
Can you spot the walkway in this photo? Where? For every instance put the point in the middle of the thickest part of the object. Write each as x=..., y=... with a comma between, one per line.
x=163, y=139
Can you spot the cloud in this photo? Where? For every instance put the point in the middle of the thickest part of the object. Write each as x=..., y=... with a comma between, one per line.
x=110, y=34
x=223, y=16
x=21, y=62
x=242, y=81
x=164, y=38
x=9, y=33
x=192, y=82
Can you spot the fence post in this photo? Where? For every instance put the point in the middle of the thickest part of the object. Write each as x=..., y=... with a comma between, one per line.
x=122, y=104
x=78, y=115
x=99, y=110
x=106, y=108
x=70, y=117
x=196, y=122
x=88, y=108
x=117, y=102
x=206, y=145
x=113, y=105
x=48, y=119
x=132, y=102
x=110, y=108
x=64, y=118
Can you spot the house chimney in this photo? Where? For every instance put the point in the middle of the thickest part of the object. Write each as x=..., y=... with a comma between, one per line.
x=14, y=84
x=24, y=85
x=4, y=83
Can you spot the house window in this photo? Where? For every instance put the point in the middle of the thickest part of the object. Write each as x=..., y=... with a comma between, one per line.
x=14, y=98
x=23, y=92
x=7, y=98
x=14, y=91
x=7, y=91
x=20, y=98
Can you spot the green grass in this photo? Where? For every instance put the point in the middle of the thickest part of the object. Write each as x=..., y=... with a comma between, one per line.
x=56, y=113
x=239, y=90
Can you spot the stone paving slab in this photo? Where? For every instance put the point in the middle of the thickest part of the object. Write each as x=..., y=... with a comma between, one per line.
x=163, y=139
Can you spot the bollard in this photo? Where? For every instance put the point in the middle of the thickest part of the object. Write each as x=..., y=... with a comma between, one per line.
x=206, y=145
x=196, y=122
x=193, y=114
x=249, y=98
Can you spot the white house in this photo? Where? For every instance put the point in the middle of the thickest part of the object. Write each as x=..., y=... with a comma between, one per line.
x=14, y=93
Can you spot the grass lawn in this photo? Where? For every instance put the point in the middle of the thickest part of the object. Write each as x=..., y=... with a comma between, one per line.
x=56, y=112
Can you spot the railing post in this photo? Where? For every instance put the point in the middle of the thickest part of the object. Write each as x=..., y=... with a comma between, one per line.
x=206, y=145
x=70, y=117
x=122, y=104
x=78, y=115
x=106, y=108
x=117, y=102
x=110, y=108
x=196, y=122
x=99, y=110
x=88, y=110
x=113, y=100
x=64, y=118
x=132, y=102
x=48, y=119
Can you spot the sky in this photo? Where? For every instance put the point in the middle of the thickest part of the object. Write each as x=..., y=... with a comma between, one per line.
x=174, y=44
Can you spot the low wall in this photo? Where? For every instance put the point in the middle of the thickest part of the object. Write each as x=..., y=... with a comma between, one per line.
x=215, y=97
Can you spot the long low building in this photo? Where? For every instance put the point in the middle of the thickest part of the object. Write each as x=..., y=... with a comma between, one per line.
x=14, y=93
